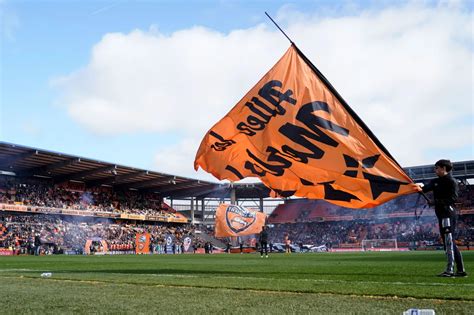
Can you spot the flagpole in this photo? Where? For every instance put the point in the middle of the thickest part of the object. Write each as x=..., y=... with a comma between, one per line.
x=268, y=15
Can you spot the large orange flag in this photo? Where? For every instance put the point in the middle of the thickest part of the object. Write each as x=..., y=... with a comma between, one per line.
x=232, y=220
x=296, y=133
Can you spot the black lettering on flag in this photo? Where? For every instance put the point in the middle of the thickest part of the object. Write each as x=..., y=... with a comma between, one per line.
x=263, y=106
x=235, y=171
x=260, y=120
x=330, y=193
x=269, y=93
x=350, y=161
x=370, y=161
x=264, y=117
x=351, y=173
x=306, y=182
x=245, y=129
x=379, y=184
x=305, y=115
x=284, y=193
x=255, y=168
x=302, y=135
x=277, y=169
x=220, y=146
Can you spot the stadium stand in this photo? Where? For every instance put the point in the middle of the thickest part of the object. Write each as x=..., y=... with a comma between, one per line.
x=66, y=215
x=76, y=199
x=285, y=213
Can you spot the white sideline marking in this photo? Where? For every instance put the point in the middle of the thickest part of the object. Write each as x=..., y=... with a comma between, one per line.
x=279, y=279
x=321, y=280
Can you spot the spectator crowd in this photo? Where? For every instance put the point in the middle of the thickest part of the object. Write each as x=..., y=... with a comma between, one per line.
x=303, y=222
x=61, y=234
x=336, y=233
x=32, y=192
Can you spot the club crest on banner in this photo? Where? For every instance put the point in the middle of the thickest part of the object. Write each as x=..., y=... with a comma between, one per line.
x=141, y=242
x=187, y=243
x=238, y=218
x=233, y=220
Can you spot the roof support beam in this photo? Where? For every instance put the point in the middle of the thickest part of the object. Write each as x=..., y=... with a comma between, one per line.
x=83, y=174
x=8, y=161
x=149, y=183
x=169, y=187
x=115, y=179
x=46, y=170
x=197, y=191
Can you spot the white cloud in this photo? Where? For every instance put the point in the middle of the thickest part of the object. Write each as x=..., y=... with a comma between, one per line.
x=144, y=81
x=31, y=127
x=180, y=159
x=406, y=70
x=179, y=156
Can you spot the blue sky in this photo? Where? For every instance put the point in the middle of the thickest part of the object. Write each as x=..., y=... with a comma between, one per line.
x=139, y=82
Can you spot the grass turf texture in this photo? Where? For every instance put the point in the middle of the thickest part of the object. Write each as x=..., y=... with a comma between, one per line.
x=376, y=282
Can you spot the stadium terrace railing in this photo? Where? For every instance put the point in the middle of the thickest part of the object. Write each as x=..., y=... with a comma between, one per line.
x=112, y=215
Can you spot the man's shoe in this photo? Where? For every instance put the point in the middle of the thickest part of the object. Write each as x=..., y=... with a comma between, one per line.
x=446, y=274
x=261, y=256
x=460, y=274
x=266, y=256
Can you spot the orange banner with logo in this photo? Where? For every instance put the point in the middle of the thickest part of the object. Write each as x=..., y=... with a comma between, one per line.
x=233, y=220
x=296, y=133
x=142, y=243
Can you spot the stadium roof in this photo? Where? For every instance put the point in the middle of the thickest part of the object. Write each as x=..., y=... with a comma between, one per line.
x=59, y=167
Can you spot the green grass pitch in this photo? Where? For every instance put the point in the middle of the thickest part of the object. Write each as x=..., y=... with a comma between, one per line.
x=329, y=283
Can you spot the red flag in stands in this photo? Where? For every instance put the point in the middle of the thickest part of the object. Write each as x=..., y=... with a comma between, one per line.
x=232, y=220
x=296, y=133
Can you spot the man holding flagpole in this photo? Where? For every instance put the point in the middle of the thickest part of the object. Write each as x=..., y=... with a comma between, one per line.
x=445, y=193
